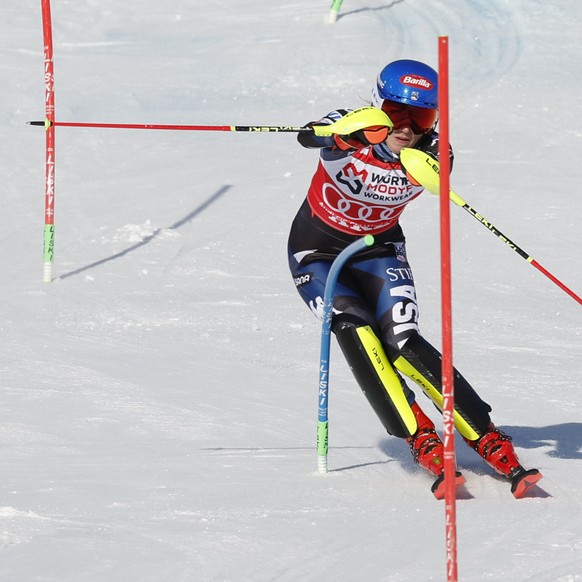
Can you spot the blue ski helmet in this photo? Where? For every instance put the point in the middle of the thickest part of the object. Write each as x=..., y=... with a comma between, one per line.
x=409, y=82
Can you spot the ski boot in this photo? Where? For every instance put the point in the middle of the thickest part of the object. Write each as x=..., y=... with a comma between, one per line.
x=497, y=449
x=428, y=451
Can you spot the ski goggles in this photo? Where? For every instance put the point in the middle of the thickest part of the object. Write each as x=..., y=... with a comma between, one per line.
x=419, y=119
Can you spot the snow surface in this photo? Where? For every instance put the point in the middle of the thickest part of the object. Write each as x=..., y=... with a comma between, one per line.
x=158, y=399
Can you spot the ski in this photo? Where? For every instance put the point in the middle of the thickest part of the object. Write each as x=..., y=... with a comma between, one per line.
x=523, y=480
x=438, y=487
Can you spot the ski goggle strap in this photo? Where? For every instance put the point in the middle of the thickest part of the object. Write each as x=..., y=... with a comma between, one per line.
x=420, y=119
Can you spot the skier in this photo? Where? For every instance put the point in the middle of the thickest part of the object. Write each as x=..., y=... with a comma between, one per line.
x=360, y=187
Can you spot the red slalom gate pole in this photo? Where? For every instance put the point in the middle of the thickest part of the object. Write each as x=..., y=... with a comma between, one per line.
x=49, y=208
x=446, y=309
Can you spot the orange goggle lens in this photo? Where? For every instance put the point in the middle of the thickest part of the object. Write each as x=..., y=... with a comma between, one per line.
x=419, y=118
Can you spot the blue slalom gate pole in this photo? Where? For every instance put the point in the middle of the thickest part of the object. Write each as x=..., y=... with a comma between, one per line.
x=322, y=417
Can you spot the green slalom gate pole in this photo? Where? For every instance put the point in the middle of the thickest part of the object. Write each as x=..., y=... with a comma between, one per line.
x=334, y=10
x=322, y=416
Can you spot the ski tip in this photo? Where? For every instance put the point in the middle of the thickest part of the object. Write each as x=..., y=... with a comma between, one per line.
x=524, y=481
x=439, y=488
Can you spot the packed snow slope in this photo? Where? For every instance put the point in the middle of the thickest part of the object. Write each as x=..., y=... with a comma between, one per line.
x=158, y=398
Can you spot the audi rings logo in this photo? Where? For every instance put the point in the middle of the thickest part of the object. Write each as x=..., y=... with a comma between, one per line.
x=352, y=209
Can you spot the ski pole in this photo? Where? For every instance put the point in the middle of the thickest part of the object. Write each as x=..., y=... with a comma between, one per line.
x=322, y=416
x=361, y=118
x=237, y=128
x=425, y=170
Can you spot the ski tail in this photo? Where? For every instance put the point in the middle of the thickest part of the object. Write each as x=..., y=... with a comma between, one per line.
x=438, y=487
x=523, y=481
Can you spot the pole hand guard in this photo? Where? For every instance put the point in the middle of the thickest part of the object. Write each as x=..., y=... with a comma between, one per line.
x=364, y=118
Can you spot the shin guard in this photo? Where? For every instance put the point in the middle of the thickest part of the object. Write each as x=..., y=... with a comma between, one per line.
x=422, y=363
x=376, y=377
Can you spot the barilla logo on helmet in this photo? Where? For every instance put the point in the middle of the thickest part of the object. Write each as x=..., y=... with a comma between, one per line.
x=416, y=81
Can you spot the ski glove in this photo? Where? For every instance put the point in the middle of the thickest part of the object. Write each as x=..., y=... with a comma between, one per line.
x=362, y=138
x=362, y=127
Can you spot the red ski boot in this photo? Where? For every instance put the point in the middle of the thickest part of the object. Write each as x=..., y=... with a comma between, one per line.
x=497, y=449
x=428, y=451
x=425, y=445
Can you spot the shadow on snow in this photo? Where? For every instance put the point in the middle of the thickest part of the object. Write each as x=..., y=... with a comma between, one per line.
x=147, y=239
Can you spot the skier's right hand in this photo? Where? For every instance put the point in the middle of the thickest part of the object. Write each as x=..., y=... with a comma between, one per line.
x=362, y=138
x=347, y=129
